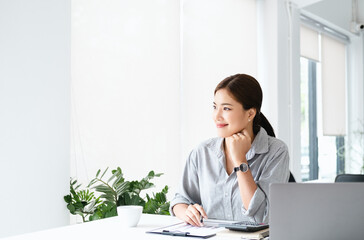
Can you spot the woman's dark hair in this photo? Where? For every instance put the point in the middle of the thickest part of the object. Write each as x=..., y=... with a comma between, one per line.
x=247, y=91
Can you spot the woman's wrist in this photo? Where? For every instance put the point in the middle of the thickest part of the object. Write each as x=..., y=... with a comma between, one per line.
x=238, y=161
x=179, y=210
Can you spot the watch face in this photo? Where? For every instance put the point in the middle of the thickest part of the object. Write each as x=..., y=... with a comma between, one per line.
x=244, y=167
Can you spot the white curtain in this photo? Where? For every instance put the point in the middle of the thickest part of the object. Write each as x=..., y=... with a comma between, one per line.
x=333, y=87
x=143, y=75
x=331, y=53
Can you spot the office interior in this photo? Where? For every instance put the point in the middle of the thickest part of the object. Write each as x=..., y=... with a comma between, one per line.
x=86, y=85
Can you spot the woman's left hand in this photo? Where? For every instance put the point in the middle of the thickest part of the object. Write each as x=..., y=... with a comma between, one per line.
x=238, y=145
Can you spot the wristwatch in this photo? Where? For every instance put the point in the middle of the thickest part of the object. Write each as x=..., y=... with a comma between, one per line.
x=243, y=167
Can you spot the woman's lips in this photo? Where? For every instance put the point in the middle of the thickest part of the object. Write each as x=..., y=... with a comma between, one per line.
x=221, y=125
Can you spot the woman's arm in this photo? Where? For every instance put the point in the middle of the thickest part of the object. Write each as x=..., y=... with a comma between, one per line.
x=274, y=170
x=184, y=203
x=238, y=145
x=247, y=186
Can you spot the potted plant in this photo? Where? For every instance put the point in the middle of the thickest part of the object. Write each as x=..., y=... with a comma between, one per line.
x=114, y=192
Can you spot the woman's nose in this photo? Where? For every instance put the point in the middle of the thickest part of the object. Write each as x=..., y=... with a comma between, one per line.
x=217, y=114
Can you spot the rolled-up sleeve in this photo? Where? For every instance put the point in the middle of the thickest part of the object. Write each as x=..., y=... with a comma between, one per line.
x=188, y=191
x=275, y=171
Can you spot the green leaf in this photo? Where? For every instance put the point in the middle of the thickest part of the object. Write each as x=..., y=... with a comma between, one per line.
x=148, y=185
x=103, y=189
x=108, y=197
x=120, y=189
x=113, y=176
x=151, y=174
x=67, y=198
x=160, y=197
x=78, y=205
x=71, y=208
x=90, y=206
x=134, y=200
x=98, y=172
x=165, y=189
x=92, y=182
x=119, y=178
x=111, y=213
x=95, y=216
x=150, y=207
x=104, y=172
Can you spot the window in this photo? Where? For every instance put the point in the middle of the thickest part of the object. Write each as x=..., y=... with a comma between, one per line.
x=323, y=105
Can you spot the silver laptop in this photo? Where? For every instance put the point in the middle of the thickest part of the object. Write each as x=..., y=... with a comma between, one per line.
x=322, y=211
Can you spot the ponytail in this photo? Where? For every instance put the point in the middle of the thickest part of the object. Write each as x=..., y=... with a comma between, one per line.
x=261, y=121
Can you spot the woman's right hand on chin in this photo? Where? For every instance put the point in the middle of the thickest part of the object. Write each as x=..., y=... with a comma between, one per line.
x=190, y=214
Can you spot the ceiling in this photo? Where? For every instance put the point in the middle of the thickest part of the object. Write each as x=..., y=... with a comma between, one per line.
x=338, y=12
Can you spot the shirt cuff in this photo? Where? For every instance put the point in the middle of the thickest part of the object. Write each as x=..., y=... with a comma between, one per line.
x=255, y=204
x=175, y=201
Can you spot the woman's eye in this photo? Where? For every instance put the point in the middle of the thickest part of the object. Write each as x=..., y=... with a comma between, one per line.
x=214, y=107
x=227, y=109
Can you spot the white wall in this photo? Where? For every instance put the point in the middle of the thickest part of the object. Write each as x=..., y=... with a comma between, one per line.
x=278, y=72
x=219, y=39
x=34, y=114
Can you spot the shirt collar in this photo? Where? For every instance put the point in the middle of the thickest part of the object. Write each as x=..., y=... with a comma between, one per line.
x=259, y=145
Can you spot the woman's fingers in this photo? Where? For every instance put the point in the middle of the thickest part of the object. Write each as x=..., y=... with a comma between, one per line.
x=201, y=210
x=193, y=214
x=193, y=220
x=188, y=220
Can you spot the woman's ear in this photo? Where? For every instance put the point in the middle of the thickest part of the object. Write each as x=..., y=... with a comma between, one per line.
x=251, y=113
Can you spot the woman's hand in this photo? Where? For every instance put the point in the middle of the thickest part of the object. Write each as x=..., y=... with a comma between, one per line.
x=190, y=214
x=238, y=145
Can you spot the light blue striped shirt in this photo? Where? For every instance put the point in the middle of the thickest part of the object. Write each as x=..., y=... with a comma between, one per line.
x=205, y=181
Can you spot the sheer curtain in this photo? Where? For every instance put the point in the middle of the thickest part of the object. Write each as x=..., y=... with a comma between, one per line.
x=143, y=74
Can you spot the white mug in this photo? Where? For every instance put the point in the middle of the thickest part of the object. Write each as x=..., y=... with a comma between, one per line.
x=129, y=215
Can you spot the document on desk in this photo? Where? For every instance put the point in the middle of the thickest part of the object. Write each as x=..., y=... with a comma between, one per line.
x=187, y=230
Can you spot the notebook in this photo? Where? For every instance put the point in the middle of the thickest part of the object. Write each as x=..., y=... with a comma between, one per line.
x=185, y=230
x=303, y=211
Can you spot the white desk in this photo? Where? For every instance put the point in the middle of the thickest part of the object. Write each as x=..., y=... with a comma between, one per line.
x=108, y=229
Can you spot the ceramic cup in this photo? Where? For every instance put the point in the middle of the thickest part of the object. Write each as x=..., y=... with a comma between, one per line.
x=129, y=215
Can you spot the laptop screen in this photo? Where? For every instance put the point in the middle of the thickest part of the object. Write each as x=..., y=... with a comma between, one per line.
x=316, y=211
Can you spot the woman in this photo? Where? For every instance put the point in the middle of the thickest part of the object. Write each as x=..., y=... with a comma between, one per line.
x=228, y=177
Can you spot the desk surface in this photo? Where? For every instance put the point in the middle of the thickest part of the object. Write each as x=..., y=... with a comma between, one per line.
x=108, y=228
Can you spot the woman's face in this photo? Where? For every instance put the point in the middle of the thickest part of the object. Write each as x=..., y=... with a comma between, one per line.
x=229, y=115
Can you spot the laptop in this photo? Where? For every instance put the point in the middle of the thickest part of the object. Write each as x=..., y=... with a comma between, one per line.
x=307, y=211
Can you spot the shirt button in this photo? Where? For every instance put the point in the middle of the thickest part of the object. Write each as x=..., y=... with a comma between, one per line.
x=226, y=194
